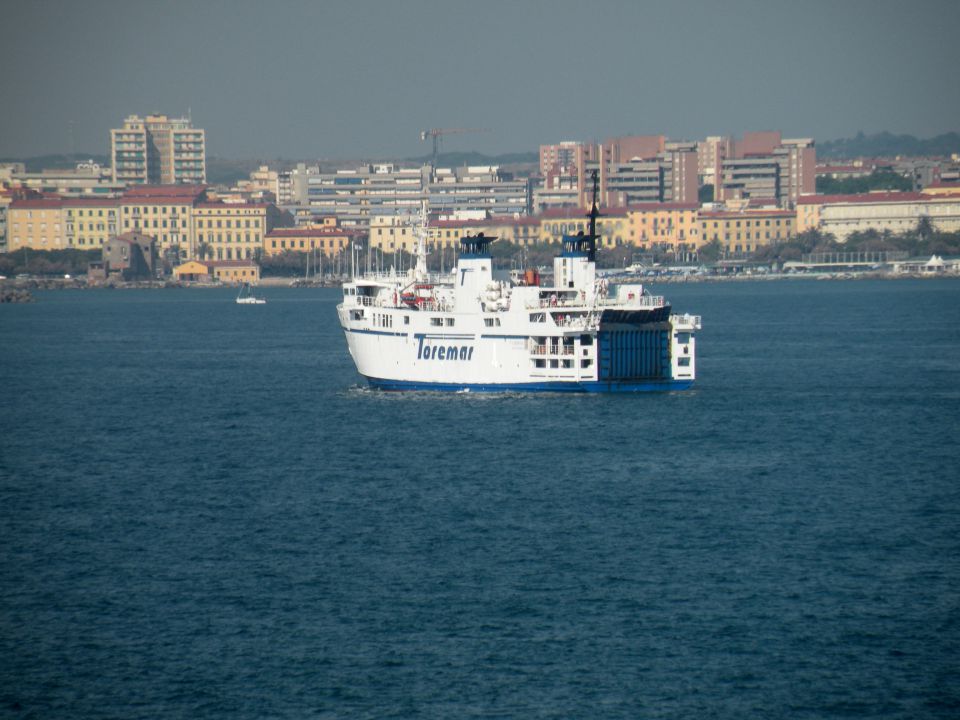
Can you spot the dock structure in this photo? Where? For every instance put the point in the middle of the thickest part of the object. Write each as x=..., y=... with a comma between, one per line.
x=846, y=260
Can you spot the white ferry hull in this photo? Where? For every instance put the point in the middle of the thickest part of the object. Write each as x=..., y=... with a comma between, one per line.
x=472, y=331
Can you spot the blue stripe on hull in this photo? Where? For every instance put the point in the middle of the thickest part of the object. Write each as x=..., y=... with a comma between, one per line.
x=595, y=386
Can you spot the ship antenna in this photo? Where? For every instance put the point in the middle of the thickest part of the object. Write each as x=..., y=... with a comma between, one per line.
x=591, y=239
x=594, y=212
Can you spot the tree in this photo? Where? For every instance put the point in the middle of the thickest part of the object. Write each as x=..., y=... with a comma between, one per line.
x=710, y=252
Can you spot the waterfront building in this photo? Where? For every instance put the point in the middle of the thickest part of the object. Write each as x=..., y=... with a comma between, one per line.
x=6, y=198
x=226, y=271
x=612, y=226
x=89, y=222
x=743, y=232
x=158, y=150
x=523, y=230
x=328, y=239
x=894, y=212
x=663, y=226
x=166, y=213
x=233, y=231
x=128, y=256
x=35, y=223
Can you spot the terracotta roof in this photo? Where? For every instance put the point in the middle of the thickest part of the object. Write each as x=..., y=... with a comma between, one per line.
x=310, y=232
x=506, y=221
x=37, y=203
x=570, y=213
x=227, y=263
x=164, y=190
x=90, y=202
x=745, y=215
x=646, y=207
x=217, y=204
x=877, y=197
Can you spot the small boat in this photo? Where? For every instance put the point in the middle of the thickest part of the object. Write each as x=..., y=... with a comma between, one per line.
x=246, y=296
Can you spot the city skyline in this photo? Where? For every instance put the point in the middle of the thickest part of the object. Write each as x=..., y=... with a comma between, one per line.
x=335, y=80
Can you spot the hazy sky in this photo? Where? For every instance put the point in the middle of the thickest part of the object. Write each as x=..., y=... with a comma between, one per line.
x=313, y=79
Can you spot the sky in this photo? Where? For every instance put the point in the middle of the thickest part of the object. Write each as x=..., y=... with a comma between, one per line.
x=313, y=79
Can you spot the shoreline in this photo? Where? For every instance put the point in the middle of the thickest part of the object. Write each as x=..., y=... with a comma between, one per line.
x=10, y=285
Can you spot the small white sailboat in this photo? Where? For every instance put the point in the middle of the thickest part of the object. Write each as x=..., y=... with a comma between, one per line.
x=246, y=296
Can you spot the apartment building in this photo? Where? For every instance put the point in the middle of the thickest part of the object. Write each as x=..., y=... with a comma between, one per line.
x=328, y=239
x=164, y=212
x=894, y=212
x=766, y=167
x=88, y=222
x=157, y=150
x=631, y=169
x=741, y=233
x=663, y=225
x=233, y=231
x=87, y=179
x=35, y=223
x=478, y=189
x=612, y=226
x=711, y=152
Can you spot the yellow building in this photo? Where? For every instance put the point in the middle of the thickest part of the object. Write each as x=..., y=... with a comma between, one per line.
x=36, y=224
x=226, y=271
x=163, y=211
x=748, y=230
x=232, y=231
x=663, y=225
x=329, y=239
x=517, y=231
x=89, y=223
x=612, y=225
x=808, y=212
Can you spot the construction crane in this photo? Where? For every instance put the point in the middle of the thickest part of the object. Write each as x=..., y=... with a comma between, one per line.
x=436, y=133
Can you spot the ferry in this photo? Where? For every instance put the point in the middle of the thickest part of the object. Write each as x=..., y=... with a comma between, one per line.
x=480, y=330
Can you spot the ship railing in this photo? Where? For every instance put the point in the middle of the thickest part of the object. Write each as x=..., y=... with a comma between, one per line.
x=555, y=303
x=641, y=301
x=551, y=350
x=687, y=320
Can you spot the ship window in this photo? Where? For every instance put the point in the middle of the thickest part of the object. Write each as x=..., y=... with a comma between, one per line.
x=449, y=322
x=538, y=317
x=436, y=322
x=586, y=363
x=684, y=362
x=683, y=338
x=540, y=363
x=586, y=339
x=406, y=319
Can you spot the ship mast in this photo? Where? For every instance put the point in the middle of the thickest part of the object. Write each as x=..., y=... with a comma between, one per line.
x=421, y=231
x=594, y=212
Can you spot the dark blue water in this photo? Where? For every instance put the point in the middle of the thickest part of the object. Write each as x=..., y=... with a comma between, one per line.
x=203, y=515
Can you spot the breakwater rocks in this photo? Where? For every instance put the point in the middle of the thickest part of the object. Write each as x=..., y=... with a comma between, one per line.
x=15, y=295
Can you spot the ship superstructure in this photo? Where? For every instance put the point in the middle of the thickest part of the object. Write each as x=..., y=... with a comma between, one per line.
x=475, y=329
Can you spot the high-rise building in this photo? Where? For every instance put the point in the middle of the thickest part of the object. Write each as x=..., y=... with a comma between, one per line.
x=158, y=150
x=767, y=168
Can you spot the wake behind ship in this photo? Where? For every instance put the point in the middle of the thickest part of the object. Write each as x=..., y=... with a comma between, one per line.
x=471, y=330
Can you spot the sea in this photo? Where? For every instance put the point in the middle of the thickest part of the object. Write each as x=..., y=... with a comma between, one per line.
x=205, y=513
